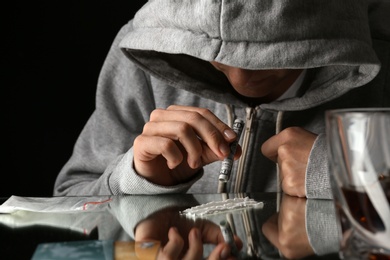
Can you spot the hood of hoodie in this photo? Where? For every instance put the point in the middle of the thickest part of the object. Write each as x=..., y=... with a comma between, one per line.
x=176, y=40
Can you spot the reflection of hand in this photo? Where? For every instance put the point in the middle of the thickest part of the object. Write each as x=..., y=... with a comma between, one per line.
x=291, y=149
x=173, y=230
x=178, y=141
x=173, y=249
x=287, y=230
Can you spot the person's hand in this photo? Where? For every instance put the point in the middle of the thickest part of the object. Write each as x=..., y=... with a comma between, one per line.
x=183, y=238
x=175, y=247
x=286, y=230
x=291, y=149
x=178, y=141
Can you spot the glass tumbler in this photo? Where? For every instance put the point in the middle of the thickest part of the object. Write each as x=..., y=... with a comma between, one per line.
x=359, y=168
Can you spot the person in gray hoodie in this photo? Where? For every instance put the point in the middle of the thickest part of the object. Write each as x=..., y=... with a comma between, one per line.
x=180, y=72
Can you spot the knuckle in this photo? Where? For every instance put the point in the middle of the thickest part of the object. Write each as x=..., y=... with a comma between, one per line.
x=288, y=179
x=193, y=117
x=291, y=132
x=147, y=126
x=172, y=107
x=284, y=241
x=137, y=141
x=183, y=128
x=204, y=112
x=213, y=135
x=167, y=144
x=288, y=172
x=284, y=151
x=155, y=114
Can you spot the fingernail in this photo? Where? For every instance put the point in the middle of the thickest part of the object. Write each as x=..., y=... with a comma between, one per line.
x=230, y=134
x=197, y=163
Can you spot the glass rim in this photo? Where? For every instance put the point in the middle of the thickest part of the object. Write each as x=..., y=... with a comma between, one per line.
x=358, y=110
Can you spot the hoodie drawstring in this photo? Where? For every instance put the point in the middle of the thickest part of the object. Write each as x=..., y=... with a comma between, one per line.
x=278, y=127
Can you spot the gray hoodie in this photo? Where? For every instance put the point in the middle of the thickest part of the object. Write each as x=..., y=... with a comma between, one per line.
x=161, y=57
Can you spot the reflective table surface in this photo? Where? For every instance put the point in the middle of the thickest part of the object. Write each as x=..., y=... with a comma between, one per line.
x=283, y=227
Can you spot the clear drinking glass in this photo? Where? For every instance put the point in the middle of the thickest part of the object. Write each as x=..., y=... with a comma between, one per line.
x=359, y=161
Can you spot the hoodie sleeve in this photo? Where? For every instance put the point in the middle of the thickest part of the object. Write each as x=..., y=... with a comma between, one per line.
x=122, y=207
x=321, y=226
x=102, y=159
x=317, y=173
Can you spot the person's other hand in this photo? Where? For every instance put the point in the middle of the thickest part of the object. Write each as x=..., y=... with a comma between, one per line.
x=291, y=149
x=286, y=229
x=183, y=238
x=173, y=249
x=178, y=141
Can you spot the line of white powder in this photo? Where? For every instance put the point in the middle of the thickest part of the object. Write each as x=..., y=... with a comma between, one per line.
x=224, y=206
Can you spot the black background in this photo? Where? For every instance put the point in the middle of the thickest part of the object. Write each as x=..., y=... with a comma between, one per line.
x=52, y=53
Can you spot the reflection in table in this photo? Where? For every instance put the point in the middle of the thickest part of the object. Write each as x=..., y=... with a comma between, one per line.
x=301, y=228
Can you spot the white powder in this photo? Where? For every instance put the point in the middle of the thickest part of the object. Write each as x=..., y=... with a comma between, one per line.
x=224, y=206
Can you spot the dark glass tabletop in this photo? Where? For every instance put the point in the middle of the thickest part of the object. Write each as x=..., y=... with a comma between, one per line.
x=268, y=225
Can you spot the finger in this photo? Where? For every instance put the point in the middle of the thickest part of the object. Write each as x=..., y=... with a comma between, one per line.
x=277, y=143
x=292, y=140
x=228, y=133
x=174, y=246
x=195, y=250
x=270, y=230
x=181, y=132
x=147, y=148
x=221, y=251
x=292, y=176
x=203, y=128
x=211, y=233
x=270, y=147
